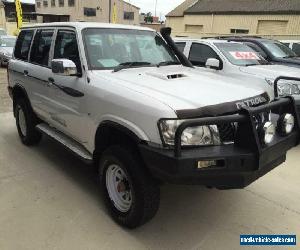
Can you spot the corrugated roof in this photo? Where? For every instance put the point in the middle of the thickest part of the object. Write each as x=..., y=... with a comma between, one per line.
x=179, y=10
x=245, y=6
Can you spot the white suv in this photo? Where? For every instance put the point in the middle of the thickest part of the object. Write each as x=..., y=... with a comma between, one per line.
x=126, y=100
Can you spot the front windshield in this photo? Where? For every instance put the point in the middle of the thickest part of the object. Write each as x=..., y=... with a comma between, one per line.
x=240, y=54
x=278, y=49
x=109, y=48
x=7, y=42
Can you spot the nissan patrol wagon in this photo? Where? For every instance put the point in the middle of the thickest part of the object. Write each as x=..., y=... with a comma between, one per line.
x=125, y=99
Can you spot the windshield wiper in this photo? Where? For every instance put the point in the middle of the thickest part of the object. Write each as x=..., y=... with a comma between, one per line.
x=167, y=63
x=127, y=65
x=250, y=64
x=290, y=56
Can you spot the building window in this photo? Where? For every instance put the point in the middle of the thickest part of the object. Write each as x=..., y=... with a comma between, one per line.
x=193, y=28
x=38, y=4
x=239, y=31
x=52, y=3
x=45, y=3
x=89, y=11
x=128, y=15
x=61, y=3
x=71, y=3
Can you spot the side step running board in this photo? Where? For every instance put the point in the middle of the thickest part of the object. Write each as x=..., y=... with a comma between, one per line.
x=66, y=141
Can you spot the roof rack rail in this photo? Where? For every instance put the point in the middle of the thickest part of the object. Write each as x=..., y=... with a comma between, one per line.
x=229, y=37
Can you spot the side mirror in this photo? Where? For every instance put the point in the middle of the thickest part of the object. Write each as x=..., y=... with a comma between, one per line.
x=213, y=63
x=64, y=67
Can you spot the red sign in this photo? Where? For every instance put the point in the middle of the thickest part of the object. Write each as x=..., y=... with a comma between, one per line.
x=242, y=55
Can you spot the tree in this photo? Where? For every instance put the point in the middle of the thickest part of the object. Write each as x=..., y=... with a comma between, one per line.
x=148, y=18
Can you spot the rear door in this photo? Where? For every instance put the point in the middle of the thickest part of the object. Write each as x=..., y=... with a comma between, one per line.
x=40, y=71
x=18, y=68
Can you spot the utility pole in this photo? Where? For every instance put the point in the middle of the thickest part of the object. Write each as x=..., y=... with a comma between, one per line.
x=109, y=12
x=155, y=7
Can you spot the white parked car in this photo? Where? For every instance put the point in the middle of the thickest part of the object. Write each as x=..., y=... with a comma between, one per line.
x=7, y=44
x=237, y=60
x=126, y=100
x=294, y=45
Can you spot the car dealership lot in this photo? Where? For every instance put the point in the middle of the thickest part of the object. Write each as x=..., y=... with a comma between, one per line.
x=50, y=200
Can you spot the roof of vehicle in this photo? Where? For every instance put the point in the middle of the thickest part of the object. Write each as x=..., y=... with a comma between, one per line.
x=83, y=25
x=8, y=36
x=202, y=40
x=290, y=41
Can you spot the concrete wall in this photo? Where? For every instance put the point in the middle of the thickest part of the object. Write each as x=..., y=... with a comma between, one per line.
x=102, y=13
x=221, y=25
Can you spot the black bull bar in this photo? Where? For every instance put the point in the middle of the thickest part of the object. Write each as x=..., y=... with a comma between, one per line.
x=247, y=135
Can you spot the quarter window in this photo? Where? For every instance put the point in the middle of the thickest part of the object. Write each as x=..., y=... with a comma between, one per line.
x=23, y=44
x=200, y=53
x=66, y=47
x=41, y=47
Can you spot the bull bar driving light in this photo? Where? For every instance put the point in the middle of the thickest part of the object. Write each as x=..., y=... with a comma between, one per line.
x=286, y=124
x=268, y=132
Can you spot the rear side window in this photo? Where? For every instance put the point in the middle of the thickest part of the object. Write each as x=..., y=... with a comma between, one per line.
x=200, y=53
x=296, y=48
x=180, y=46
x=41, y=47
x=23, y=44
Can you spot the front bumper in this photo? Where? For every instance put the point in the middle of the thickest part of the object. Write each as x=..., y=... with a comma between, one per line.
x=238, y=165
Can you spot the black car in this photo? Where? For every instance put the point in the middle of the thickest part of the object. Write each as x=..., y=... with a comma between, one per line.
x=272, y=50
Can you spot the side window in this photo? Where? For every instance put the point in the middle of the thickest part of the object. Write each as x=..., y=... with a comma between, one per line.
x=66, y=47
x=41, y=47
x=200, y=53
x=296, y=48
x=180, y=46
x=257, y=49
x=23, y=44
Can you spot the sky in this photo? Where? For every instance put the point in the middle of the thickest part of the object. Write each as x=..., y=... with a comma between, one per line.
x=163, y=6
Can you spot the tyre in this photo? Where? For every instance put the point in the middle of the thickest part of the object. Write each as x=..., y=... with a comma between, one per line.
x=130, y=193
x=26, y=122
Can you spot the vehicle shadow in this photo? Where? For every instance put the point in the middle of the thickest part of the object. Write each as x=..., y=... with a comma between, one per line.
x=187, y=216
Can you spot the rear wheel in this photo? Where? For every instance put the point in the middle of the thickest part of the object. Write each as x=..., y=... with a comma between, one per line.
x=26, y=122
x=131, y=195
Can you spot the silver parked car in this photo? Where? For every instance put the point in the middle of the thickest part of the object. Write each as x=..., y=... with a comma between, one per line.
x=7, y=44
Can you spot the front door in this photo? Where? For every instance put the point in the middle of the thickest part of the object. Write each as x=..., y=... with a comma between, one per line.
x=67, y=112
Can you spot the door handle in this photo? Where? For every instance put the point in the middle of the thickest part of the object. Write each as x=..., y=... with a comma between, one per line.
x=26, y=73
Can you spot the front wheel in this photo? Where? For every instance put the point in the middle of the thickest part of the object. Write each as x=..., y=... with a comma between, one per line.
x=131, y=195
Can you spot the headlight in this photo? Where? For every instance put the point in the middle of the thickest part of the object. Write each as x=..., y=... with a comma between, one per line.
x=286, y=87
x=192, y=136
